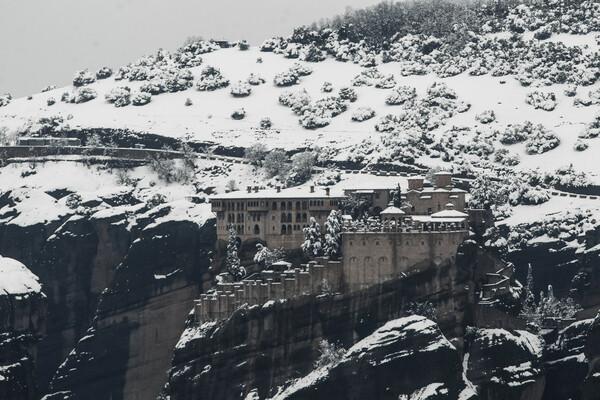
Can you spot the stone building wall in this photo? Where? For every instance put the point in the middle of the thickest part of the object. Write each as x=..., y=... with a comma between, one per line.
x=371, y=258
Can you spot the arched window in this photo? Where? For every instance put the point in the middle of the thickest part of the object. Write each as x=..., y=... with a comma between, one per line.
x=256, y=230
x=412, y=208
x=297, y=205
x=289, y=229
x=304, y=205
x=283, y=219
x=298, y=217
x=283, y=230
x=289, y=205
x=283, y=205
x=304, y=217
x=274, y=205
x=289, y=217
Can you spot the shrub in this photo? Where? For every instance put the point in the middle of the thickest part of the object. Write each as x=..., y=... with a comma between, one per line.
x=255, y=79
x=386, y=82
x=48, y=88
x=103, y=73
x=84, y=77
x=141, y=99
x=301, y=70
x=266, y=123
x=188, y=102
x=327, y=87
x=154, y=86
x=276, y=163
x=240, y=89
x=516, y=133
x=347, y=93
x=50, y=101
x=73, y=201
x=330, y=106
x=119, y=96
x=363, y=114
x=259, y=60
x=311, y=120
x=503, y=157
x=238, y=114
x=312, y=53
x=545, y=101
x=486, y=117
x=79, y=95
x=570, y=91
x=5, y=99
x=211, y=79
x=541, y=141
x=156, y=200
x=401, y=95
x=287, y=78
x=580, y=145
x=295, y=100
x=243, y=45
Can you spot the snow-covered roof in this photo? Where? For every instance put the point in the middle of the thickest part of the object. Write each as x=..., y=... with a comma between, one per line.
x=428, y=218
x=15, y=278
x=301, y=192
x=392, y=210
x=449, y=214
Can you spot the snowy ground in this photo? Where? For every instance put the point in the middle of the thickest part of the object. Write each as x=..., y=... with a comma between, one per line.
x=209, y=120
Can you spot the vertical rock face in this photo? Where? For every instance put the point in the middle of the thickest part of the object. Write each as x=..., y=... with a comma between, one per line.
x=22, y=321
x=591, y=385
x=506, y=365
x=140, y=316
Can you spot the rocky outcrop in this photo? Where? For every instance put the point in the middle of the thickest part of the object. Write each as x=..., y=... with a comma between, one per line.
x=591, y=385
x=506, y=364
x=22, y=322
x=407, y=358
x=140, y=316
x=566, y=364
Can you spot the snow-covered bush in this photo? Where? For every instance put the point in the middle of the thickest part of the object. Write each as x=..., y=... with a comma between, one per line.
x=502, y=156
x=266, y=123
x=367, y=77
x=243, y=45
x=255, y=79
x=238, y=114
x=295, y=100
x=347, y=93
x=83, y=77
x=141, y=99
x=310, y=120
x=580, y=145
x=312, y=53
x=330, y=354
x=486, y=117
x=119, y=96
x=156, y=200
x=570, y=91
x=48, y=88
x=545, y=101
x=327, y=87
x=211, y=79
x=401, y=95
x=301, y=70
x=272, y=44
x=541, y=141
x=188, y=102
x=592, y=130
x=516, y=133
x=73, y=201
x=329, y=107
x=387, y=82
x=51, y=101
x=265, y=257
x=103, y=73
x=286, y=78
x=5, y=99
x=363, y=114
x=79, y=95
x=240, y=89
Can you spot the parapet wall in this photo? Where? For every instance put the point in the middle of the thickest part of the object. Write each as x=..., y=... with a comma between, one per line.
x=312, y=278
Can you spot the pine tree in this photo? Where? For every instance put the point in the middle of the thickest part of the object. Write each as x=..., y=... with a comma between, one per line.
x=232, y=262
x=333, y=237
x=529, y=300
x=313, y=245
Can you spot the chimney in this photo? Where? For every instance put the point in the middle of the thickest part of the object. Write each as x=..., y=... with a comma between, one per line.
x=415, y=183
x=255, y=189
x=327, y=191
x=278, y=189
x=312, y=189
x=249, y=189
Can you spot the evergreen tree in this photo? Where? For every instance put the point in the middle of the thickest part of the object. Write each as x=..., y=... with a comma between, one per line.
x=397, y=197
x=486, y=193
x=265, y=257
x=313, y=245
x=333, y=237
x=232, y=262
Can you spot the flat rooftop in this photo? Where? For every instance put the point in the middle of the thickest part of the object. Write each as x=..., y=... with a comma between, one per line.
x=301, y=192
